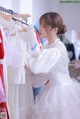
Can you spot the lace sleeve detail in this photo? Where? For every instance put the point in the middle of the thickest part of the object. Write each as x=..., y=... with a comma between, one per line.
x=45, y=61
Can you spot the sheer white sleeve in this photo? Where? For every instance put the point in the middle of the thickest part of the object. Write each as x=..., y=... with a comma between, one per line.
x=45, y=61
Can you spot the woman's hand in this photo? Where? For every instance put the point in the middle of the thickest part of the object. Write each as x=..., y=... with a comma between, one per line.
x=27, y=68
x=75, y=64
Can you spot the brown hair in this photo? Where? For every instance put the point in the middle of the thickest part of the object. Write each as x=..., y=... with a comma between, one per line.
x=54, y=20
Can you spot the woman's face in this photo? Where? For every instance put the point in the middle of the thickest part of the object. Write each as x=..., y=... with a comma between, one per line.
x=42, y=30
x=47, y=32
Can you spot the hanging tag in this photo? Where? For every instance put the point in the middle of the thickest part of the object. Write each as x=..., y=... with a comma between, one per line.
x=3, y=113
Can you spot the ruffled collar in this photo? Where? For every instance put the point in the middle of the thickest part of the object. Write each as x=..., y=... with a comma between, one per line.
x=53, y=44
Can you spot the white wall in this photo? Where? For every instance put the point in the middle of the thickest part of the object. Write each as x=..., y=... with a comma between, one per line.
x=16, y=6
x=6, y=3
x=71, y=15
x=26, y=8
x=42, y=6
x=38, y=8
x=54, y=5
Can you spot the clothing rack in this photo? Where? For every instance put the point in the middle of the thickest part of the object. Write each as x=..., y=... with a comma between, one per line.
x=12, y=12
x=7, y=10
x=20, y=21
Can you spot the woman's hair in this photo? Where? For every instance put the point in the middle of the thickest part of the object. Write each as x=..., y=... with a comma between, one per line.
x=54, y=20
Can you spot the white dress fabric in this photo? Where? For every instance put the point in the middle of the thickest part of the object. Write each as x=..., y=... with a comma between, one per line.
x=60, y=97
x=15, y=57
x=15, y=53
x=20, y=88
x=23, y=92
x=20, y=95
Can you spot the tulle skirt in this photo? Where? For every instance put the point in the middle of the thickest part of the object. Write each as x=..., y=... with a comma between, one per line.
x=58, y=102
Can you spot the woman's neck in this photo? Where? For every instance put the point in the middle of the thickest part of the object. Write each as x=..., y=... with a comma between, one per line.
x=51, y=40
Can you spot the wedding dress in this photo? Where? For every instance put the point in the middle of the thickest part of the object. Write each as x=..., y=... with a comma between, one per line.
x=60, y=97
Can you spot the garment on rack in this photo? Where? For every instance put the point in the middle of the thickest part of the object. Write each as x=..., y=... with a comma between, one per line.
x=20, y=95
x=2, y=9
x=3, y=101
x=1, y=46
x=15, y=57
x=2, y=87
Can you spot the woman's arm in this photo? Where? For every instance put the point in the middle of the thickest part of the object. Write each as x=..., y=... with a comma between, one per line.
x=44, y=62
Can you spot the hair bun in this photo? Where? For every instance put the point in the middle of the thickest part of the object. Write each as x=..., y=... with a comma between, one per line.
x=63, y=30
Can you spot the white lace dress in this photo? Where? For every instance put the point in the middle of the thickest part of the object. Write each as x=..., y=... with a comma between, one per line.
x=60, y=97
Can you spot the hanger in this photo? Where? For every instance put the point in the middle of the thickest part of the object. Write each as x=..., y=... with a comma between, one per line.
x=23, y=18
x=5, y=16
x=19, y=23
x=16, y=17
x=12, y=14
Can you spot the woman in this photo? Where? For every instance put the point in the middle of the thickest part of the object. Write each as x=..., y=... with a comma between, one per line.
x=60, y=97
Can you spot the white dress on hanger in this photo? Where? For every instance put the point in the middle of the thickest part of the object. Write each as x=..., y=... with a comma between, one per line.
x=15, y=57
x=20, y=95
x=25, y=93
x=22, y=99
x=60, y=97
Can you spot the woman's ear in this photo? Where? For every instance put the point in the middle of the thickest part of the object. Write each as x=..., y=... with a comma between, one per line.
x=56, y=30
